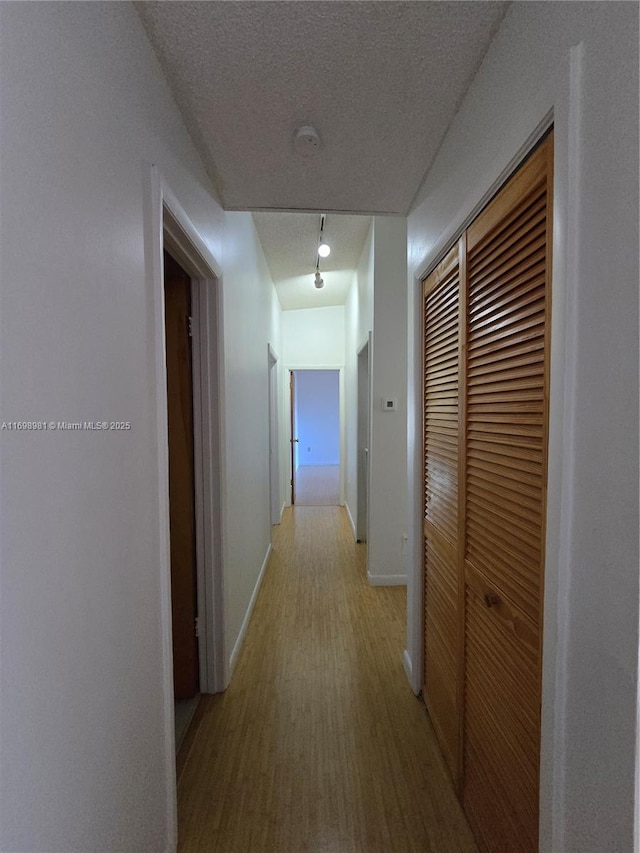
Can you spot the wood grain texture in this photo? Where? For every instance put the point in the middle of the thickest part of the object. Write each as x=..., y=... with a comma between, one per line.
x=177, y=293
x=486, y=400
x=318, y=744
x=441, y=356
x=506, y=393
x=463, y=311
x=508, y=277
x=502, y=733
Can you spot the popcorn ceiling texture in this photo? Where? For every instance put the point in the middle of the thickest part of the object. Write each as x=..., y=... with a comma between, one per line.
x=290, y=240
x=380, y=81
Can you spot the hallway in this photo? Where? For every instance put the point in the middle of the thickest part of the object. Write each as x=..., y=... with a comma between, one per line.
x=318, y=744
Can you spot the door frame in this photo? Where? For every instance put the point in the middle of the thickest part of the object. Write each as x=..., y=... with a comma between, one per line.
x=207, y=420
x=170, y=227
x=292, y=431
x=276, y=505
x=341, y=402
x=363, y=465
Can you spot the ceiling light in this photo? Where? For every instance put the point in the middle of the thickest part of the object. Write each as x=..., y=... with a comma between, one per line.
x=318, y=281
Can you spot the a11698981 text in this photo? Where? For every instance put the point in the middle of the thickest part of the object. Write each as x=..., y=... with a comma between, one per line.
x=65, y=426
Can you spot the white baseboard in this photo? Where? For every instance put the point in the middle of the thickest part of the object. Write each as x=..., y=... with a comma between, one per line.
x=351, y=521
x=247, y=616
x=386, y=580
x=408, y=668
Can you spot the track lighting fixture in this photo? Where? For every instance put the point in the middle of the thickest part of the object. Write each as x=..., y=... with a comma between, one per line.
x=324, y=249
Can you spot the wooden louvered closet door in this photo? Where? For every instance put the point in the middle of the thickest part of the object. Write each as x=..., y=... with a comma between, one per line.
x=441, y=461
x=502, y=402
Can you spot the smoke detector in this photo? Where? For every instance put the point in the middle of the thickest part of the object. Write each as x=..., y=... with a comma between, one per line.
x=307, y=140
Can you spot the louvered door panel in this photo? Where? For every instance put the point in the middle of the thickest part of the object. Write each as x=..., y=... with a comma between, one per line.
x=505, y=486
x=506, y=399
x=502, y=731
x=441, y=653
x=441, y=461
x=486, y=366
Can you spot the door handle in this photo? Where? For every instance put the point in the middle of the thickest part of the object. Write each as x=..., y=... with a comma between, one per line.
x=294, y=440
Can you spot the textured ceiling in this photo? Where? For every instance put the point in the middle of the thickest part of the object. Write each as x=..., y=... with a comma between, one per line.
x=290, y=240
x=380, y=81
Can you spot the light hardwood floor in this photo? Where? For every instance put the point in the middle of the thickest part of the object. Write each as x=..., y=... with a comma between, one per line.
x=318, y=745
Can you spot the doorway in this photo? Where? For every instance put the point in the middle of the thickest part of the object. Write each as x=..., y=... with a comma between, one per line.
x=315, y=437
x=194, y=272
x=182, y=533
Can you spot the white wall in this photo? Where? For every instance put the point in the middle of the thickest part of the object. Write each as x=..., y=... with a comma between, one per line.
x=386, y=563
x=84, y=756
x=318, y=417
x=250, y=324
x=591, y=587
x=377, y=302
x=313, y=337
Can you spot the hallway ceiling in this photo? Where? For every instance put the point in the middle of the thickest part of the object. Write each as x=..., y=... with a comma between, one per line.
x=380, y=82
x=289, y=241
